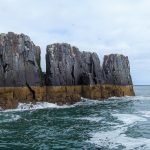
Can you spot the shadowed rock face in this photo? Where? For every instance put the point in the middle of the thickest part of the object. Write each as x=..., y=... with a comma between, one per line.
x=19, y=61
x=116, y=70
x=66, y=65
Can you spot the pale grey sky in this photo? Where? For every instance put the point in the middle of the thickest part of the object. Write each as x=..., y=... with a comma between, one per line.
x=102, y=26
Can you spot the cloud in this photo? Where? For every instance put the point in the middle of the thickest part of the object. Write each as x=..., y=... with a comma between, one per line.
x=102, y=26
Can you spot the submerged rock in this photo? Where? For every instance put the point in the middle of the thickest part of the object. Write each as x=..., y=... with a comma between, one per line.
x=19, y=61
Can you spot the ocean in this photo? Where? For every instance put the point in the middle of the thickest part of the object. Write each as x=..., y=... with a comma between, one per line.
x=112, y=124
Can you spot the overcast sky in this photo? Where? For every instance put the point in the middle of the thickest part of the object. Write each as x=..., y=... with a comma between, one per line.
x=102, y=26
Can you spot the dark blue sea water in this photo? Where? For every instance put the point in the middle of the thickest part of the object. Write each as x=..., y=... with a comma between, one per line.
x=112, y=124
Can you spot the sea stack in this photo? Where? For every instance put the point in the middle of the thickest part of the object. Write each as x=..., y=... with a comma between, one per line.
x=19, y=69
x=70, y=73
x=116, y=70
x=117, y=77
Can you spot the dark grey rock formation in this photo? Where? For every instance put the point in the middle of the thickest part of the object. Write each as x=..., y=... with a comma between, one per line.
x=116, y=70
x=19, y=61
x=66, y=65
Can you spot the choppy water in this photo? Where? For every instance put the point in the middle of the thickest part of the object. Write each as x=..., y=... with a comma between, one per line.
x=116, y=123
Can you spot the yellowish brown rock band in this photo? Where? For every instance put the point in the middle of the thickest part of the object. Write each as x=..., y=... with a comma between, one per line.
x=11, y=96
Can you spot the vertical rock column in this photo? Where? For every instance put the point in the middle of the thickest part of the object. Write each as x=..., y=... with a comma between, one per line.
x=117, y=78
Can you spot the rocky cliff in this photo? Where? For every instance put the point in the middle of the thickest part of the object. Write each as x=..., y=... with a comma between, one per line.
x=70, y=73
x=66, y=65
x=116, y=70
x=19, y=69
x=19, y=61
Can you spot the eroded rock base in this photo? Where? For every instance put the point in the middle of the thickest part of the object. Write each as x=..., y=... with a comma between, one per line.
x=11, y=96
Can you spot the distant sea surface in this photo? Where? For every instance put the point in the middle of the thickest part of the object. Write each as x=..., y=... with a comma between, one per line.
x=113, y=124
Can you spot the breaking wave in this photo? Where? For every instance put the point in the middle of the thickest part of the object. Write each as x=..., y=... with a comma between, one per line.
x=84, y=101
x=117, y=136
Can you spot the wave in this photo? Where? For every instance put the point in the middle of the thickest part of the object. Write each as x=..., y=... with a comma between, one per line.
x=116, y=136
x=91, y=119
x=84, y=102
x=9, y=118
x=35, y=106
x=145, y=114
x=130, y=98
x=128, y=119
x=45, y=105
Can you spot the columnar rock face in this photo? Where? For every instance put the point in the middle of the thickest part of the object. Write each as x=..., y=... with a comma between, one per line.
x=116, y=70
x=19, y=61
x=66, y=65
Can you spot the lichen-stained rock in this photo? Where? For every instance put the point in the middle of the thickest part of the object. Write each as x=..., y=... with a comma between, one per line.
x=19, y=61
x=116, y=70
x=66, y=65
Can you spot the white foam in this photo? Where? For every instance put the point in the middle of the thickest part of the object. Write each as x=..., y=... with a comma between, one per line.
x=145, y=114
x=84, y=101
x=130, y=98
x=112, y=139
x=116, y=136
x=8, y=118
x=38, y=105
x=129, y=118
x=143, y=98
x=91, y=119
x=115, y=98
x=44, y=105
